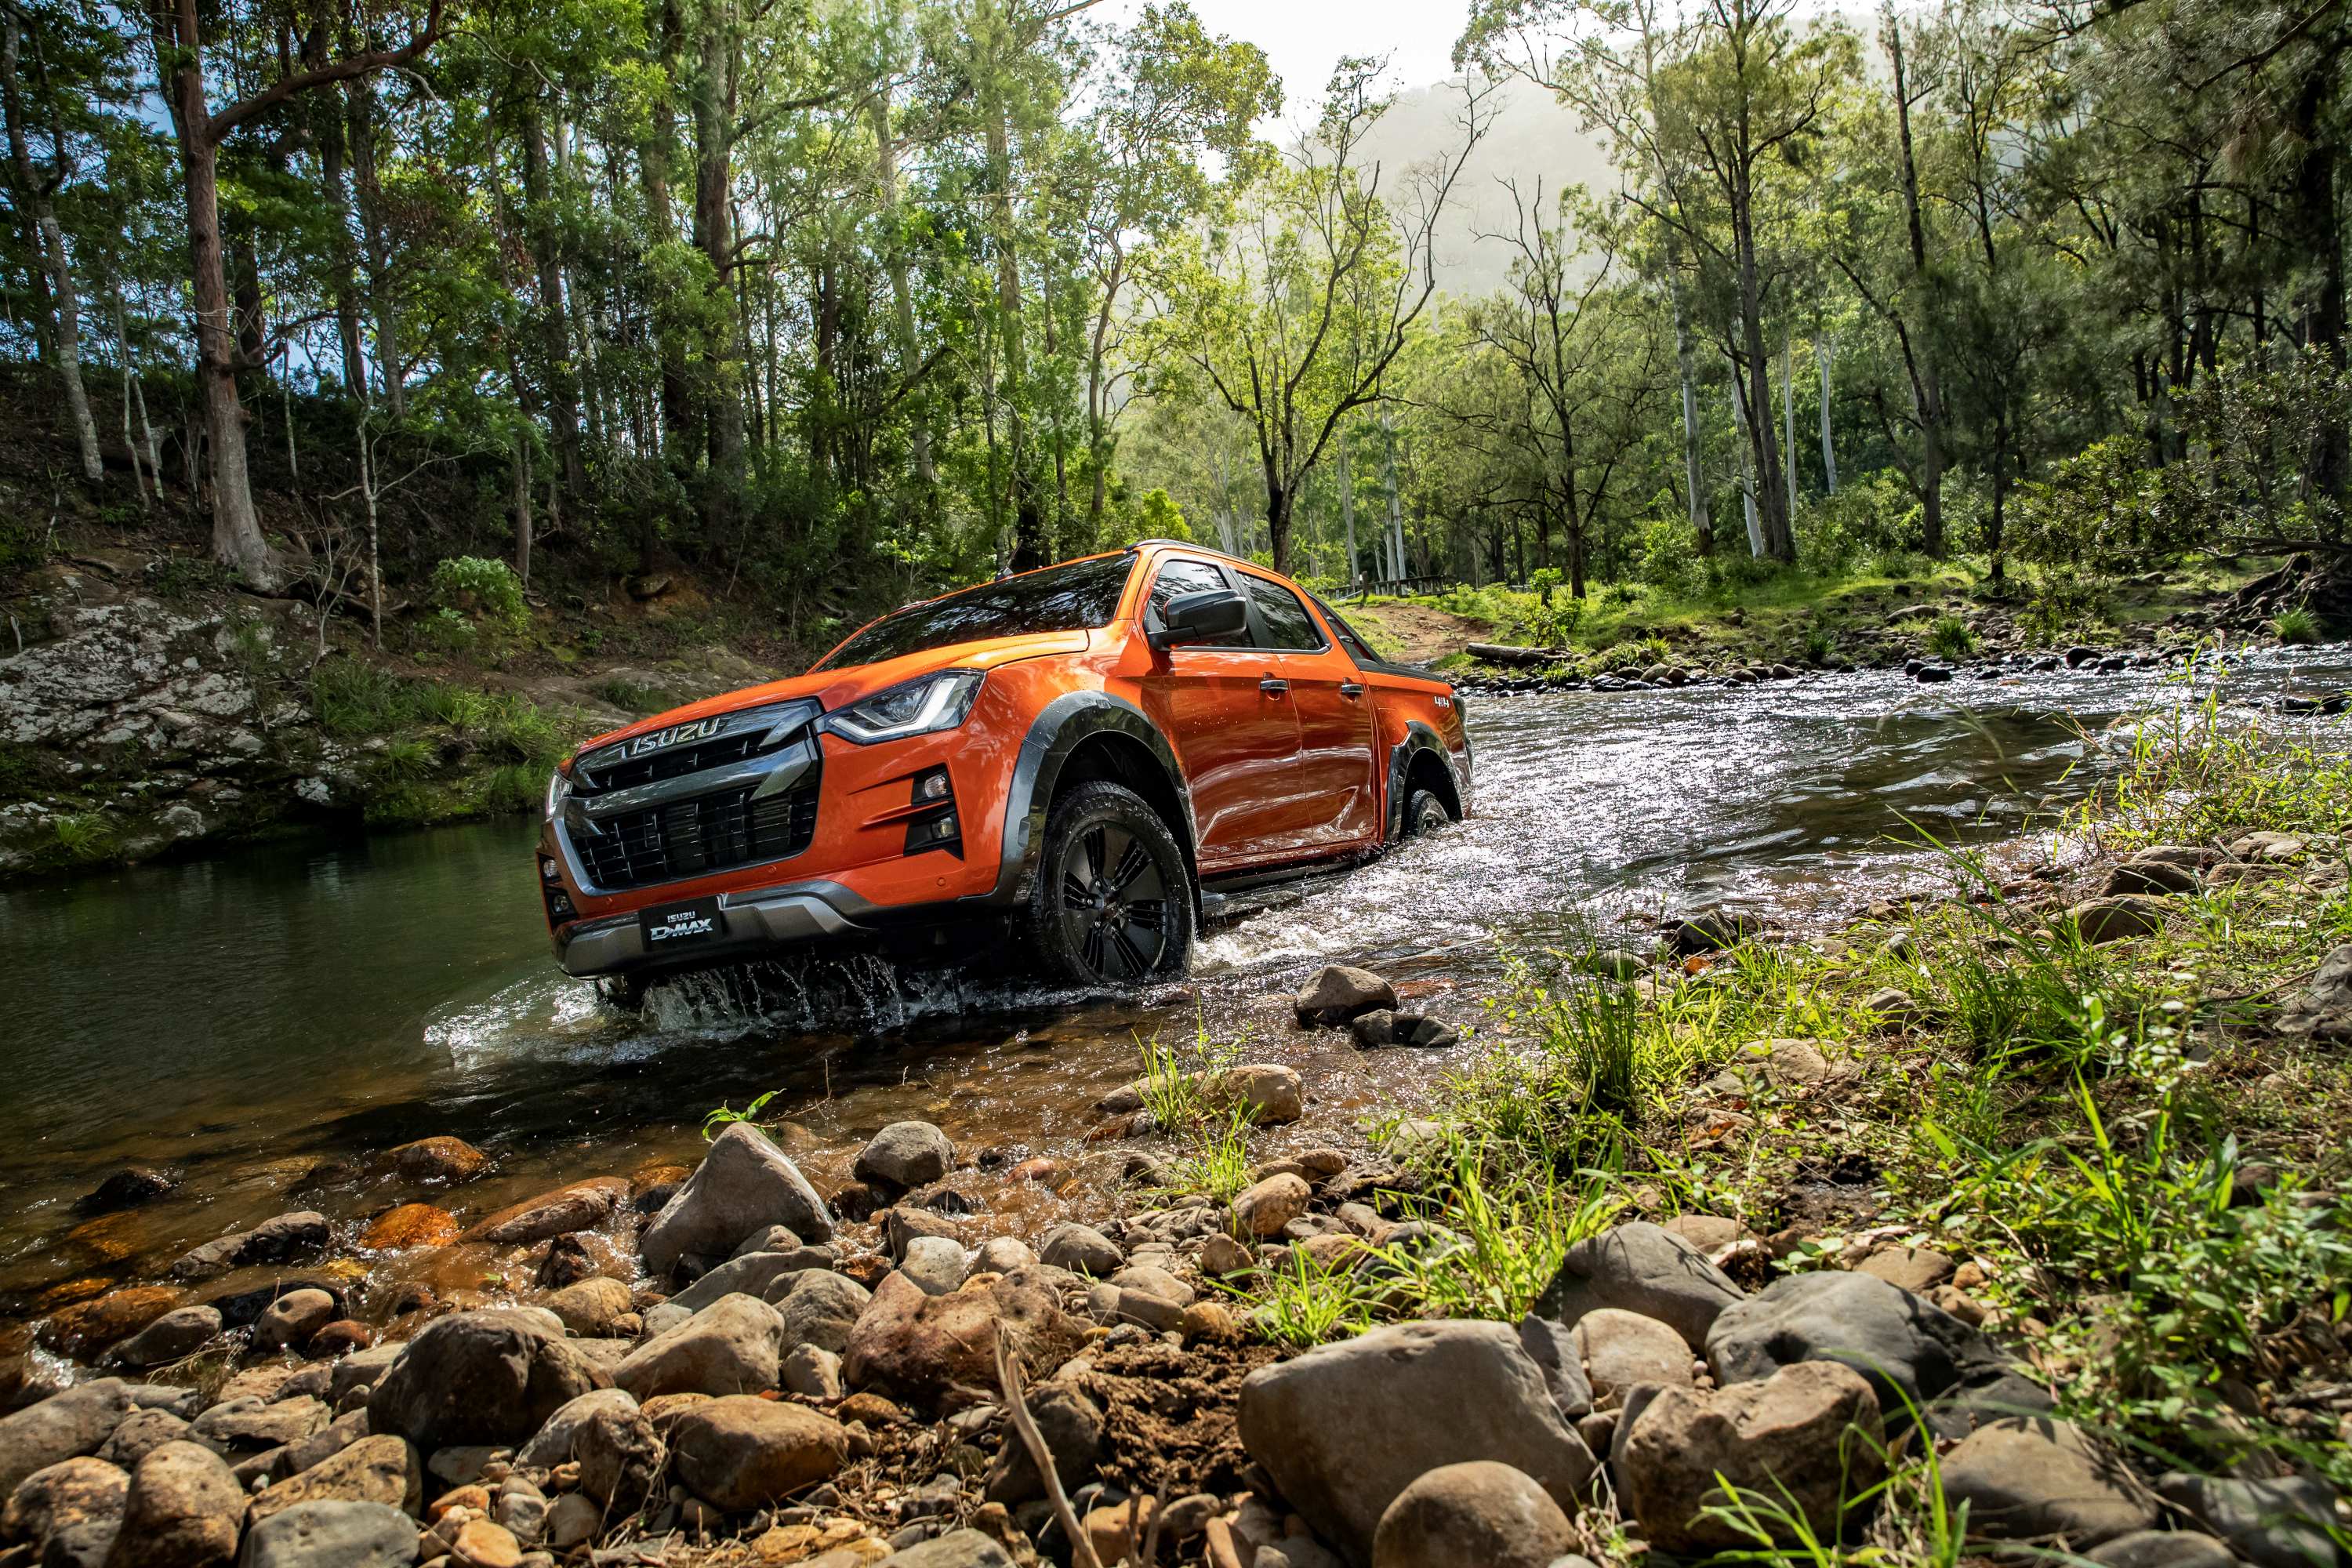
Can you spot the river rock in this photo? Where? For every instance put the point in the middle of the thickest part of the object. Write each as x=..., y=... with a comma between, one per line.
x=956, y=1548
x=935, y=1263
x=2024, y=1477
x=88, y=1327
x=1344, y=1428
x=363, y=1369
x=1081, y=1250
x=1908, y=1348
x=740, y=1453
x=443, y=1161
x=735, y=1345
x=178, y=1333
x=2275, y=1522
x=479, y=1377
x=819, y=1307
x=1711, y=930
x=747, y=1275
x=745, y=1183
x=1622, y=1350
x=1475, y=1515
x=1262, y=1209
x=410, y=1225
x=129, y=1188
x=1340, y=992
x=928, y=1347
x=1809, y=1437
x=278, y=1240
x=551, y=1444
x=579, y=1205
x=2162, y=1549
x=1272, y=1094
x=905, y=1155
x=813, y=1371
x=2115, y=919
x=184, y=1509
x=289, y=1321
x=63, y=1427
x=332, y=1535
x=1640, y=1267
x=1553, y=1350
x=1001, y=1255
x=620, y=1456
x=68, y=1511
x=327, y=1442
x=141, y=1434
x=1917, y=1269
x=373, y=1469
x=245, y=1426
x=1072, y=1426
x=590, y=1308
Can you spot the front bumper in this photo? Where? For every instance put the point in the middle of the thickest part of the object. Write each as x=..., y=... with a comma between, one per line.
x=761, y=920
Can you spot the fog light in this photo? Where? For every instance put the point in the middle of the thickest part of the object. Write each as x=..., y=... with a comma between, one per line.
x=559, y=904
x=548, y=871
x=933, y=787
x=945, y=828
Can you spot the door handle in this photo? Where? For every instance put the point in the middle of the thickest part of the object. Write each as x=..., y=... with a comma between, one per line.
x=1274, y=686
x=1350, y=688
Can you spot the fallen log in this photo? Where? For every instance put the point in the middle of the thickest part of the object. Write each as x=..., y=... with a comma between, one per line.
x=1505, y=653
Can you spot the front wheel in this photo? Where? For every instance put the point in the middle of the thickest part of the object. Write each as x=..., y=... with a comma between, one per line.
x=1113, y=902
x=1424, y=812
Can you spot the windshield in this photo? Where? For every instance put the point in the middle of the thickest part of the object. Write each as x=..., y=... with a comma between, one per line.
x=1073, y=597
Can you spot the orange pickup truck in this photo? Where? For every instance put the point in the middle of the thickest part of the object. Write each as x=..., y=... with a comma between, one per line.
x=1092, y=758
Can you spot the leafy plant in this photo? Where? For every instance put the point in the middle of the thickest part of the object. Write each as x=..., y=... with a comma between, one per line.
x=1949, y=637
x=83, y=836
x=717, y=1121
x=1304, y=1302
x=472, y=584
x=2295, y=626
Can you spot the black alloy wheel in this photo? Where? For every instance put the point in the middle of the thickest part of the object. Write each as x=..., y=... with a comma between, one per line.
x=1113, y=904
x=1424, y=812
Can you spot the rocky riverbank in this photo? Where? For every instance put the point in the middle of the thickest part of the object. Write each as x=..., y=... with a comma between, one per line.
x=2031, y=1199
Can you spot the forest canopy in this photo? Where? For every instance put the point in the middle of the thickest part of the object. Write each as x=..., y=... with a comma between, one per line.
x=864, y=298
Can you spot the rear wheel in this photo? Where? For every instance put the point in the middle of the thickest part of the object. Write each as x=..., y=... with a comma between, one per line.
x=1113, y=902
x=1424, y=812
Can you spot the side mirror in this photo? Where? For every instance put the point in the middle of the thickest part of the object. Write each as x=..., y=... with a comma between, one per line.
x=1201, y=617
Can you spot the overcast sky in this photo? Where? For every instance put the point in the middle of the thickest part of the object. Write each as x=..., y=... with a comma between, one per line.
x=1305, y=38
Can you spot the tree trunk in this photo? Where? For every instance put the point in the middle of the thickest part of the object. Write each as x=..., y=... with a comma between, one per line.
x=1767, y=486
x=382, y=297
x=2313, y=211
x=714, y=227
x=1348, y=516
x=1030, y=545
x=902, y=297
x=544, y=228
x=344, y=255
x=39, y=196
x=1824, y=350
x=1789, y=418
x=1278, y=522
x=1743, y=440
x=656, y=163
x=236, y=526
x=1927, y=390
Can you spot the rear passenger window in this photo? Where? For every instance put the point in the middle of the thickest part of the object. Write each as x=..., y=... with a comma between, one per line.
x=1286, y=621
x=1181, y=578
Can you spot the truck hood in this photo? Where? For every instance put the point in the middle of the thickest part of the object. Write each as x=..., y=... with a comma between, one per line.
x=839, y=688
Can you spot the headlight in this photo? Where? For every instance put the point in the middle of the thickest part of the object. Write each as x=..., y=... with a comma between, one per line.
x=939, y=702
x=559, y=790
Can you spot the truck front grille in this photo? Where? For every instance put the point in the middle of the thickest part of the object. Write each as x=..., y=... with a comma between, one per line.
x=693, y=838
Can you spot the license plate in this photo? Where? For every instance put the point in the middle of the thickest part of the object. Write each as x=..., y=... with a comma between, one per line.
x=685, y=925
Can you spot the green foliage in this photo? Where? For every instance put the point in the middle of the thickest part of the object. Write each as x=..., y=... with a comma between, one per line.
x=83, y=837
x=716, y=1122
x=2297, y=625
x=1949, y=637
x=488, y=590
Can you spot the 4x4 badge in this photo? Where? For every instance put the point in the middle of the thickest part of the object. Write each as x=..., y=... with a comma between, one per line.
x=677, y=735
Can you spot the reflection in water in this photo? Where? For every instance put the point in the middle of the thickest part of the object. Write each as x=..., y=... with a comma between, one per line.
x=250, y=1017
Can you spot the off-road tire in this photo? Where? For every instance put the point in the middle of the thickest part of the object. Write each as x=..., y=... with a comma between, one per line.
x=1112, y=905
x=1424, y=812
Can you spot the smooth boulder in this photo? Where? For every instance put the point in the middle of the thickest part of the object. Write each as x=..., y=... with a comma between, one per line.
x=819, y=1307
x=1640, y=1267
x=905, y=1155
x=735, y=1345
x=2026, y=1477
x=1340, y=992
x=743, y=1185
x=332, y=1535
x=68, y=1513
x=1810, y=1437
x=1344, y=1428
x=739, y=1453
x=490, y=1377
x=1475, y=1515
x=63, y=1427
x=185, y=1509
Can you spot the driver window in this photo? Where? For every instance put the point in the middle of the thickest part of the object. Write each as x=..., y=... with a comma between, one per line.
x=1181, y=578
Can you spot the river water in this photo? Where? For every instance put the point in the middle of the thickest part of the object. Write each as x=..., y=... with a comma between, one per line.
x=257, y=1022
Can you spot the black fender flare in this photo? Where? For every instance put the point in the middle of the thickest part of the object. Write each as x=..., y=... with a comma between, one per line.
x=1419, y=738
x=1066, y=724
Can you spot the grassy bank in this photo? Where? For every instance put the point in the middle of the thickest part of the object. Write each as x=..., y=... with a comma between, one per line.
x=1743, y=613
x=2136, y=1150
